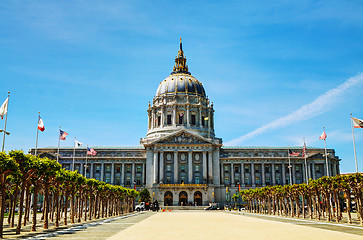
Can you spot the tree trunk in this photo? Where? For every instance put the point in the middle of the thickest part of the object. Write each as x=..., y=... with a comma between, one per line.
x=46, y=205
x=347, y=202
x=2, y=203
x=14, y=207
x=35, y=208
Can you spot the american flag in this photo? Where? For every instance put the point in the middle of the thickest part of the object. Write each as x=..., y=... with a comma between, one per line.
x=91, y=151
x=62, y=135
x=293, y=154
x=304, y=150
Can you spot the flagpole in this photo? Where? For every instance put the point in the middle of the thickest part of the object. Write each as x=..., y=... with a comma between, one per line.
x=36, y=141
x=326, y=157
x=355, y=152
x=306, y=164
x=85, y=166
x=74, y=153
x=58, y=143
x=6, y=119
x=288, y=154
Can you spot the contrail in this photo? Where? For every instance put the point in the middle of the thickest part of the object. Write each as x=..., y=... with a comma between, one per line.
x=315, y=108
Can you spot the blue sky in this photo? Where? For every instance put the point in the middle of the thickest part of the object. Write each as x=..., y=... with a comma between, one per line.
x=93, y=66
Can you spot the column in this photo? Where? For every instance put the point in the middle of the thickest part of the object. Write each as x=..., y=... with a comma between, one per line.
x=102, y=171
x=174, y=116
x=91, y=170
x=132, y=174
x=334, y=169
x=293, y=173
x=243, y=174
x=188, y=116
x=152, y=118
x=309, y=170
x=200, y=117
x=210, y=166
x=283, y=174
x=123, y=174
x=112, y=172
x=144, y=174
x=190, y=167
x=161, y=180
x=313, y=167
x=231, y=173
x=273, y=180
x=253, y=174
x=162, y=117
x=263, y=174
x=204, y=167
x=176, y=167
x=155, y=165
x=222, y=174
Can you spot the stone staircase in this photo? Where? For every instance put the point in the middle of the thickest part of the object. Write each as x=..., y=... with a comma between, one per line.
x=184, y=207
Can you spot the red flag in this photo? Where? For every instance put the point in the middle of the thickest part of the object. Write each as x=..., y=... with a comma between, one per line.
x=41, y=124
x=239, y=187
x=323, y=136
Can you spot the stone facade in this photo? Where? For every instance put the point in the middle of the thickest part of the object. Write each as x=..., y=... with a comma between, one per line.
x=181, y=161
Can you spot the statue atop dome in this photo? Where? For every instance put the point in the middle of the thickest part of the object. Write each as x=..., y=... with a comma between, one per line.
x=180, y=62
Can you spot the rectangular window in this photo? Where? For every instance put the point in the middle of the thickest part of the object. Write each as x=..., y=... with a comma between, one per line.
x=168, y=168
x=236, y=169
x=159, y=121
x=182, y=167
x=138, y=168
x=128, y=168
x=181, y=118
x=226, y=180
x=197, y=167
x=197, y=180
x=267, y=170
x=193, y=119
x=168, y=180
x=168, y=119
x=257, y=168
x=258, y=182
x=226, y=168
x=118, y=168
x=108, y=168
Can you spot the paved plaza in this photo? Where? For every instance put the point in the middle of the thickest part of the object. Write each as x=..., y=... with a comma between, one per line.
x=208, y=225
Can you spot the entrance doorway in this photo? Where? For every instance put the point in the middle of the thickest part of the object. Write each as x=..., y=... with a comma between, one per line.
x=198, y=201
x=183, y=199
x=168, y=199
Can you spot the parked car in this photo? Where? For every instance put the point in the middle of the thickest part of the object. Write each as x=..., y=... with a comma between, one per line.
x=140, y=207
x=213, y=206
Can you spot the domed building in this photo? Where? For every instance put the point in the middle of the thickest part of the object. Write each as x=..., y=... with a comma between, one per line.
x=182, y=162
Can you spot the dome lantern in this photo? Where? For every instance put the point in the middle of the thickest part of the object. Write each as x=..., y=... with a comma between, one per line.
x=180, y=62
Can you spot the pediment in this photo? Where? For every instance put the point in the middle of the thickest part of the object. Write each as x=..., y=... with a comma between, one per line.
x=182, y=137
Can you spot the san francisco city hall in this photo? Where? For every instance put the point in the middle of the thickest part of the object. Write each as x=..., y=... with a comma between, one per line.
x=181, y=161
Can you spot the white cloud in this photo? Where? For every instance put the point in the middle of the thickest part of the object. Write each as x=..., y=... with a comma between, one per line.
x=320, y=105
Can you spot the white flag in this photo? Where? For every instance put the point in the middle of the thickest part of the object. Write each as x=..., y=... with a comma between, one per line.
x=4, y=108
x=77, y=144
x=358, y=123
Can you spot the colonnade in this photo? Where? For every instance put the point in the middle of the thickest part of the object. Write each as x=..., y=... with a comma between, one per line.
x=206, y=164
x=311, y=172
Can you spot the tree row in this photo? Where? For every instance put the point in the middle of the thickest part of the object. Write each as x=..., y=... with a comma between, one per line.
x=31, y=185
